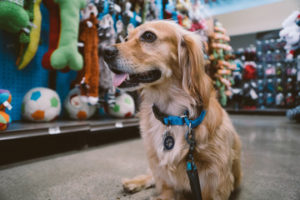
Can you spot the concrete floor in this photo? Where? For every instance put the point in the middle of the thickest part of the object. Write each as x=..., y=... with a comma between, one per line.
x=271, y=166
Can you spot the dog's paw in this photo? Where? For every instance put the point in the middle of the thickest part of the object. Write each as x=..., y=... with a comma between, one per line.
x=138, y=183
x=131, y=185
x=159, y=198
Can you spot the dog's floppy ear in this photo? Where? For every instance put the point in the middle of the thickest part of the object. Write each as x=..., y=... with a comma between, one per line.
x=194, y=81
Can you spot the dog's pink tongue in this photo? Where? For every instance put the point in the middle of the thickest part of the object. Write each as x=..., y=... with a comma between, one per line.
x=118, y=79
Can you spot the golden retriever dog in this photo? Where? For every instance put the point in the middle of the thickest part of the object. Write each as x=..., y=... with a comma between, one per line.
x=165, y=62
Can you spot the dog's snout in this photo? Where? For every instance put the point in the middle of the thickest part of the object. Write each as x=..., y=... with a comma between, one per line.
x=110, y=52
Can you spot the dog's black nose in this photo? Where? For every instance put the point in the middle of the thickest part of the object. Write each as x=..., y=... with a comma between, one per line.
x=110, y=52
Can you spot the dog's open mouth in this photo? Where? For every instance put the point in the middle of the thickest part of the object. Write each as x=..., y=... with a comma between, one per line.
x=125, y=80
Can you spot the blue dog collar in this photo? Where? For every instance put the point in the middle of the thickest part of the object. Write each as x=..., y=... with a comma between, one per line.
x=178, y=120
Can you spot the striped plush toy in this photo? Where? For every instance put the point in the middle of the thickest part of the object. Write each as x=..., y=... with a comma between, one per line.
x=5, y=100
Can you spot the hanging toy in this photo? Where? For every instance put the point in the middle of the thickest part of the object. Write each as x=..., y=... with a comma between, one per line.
x=67, y=54
x=221, y=63
x=54, y=32
x=107, y=37
x=29, y=50
x=250, y=71
x=88, y=77
x=14, y=18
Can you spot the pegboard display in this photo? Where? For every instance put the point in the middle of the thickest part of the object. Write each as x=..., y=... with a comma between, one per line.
x=18, y=82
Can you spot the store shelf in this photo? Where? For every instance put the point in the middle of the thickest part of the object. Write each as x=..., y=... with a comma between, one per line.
x=267, y=111
x=109, y=124
x=19, y=130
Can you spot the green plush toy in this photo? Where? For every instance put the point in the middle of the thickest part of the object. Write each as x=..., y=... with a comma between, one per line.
x=67, y=53
x=14, y=18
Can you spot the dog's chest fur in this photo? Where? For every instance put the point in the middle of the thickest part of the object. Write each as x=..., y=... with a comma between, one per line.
x=152, y=131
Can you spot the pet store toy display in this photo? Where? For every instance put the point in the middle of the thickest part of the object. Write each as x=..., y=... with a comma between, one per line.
x=78, y=32
x=270, y=71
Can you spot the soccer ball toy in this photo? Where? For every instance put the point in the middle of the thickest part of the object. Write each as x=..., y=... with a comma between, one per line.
x=124, y=106
x=41, y=105
x=76, y=108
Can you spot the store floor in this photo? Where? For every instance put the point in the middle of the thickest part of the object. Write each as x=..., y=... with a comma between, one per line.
x=271, y=167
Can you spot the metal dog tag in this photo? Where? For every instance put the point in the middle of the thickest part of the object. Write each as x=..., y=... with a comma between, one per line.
x=168, y=140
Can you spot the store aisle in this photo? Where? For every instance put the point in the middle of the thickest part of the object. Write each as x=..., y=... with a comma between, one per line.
x=271, y=166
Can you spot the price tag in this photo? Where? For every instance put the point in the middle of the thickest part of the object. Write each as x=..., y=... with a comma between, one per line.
x=7, y=105
x=54, y=130
x=119, y=125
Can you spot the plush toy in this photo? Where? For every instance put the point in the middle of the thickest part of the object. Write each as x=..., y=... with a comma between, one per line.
x=294, y=114
x=54, y=32
x=221, y=63
x=88, y=77
x=250, y=71
x=149, y=11
x=5, y=100
x=107, y=37
x=67, y=54
x=29, y=50
x=250, y=96
x=124, y=106
x=14, y=18
x=41, y=105
x=76, y=108
x=291, y=34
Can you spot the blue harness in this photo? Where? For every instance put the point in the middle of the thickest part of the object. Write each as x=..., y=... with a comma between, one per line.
x=191, y=168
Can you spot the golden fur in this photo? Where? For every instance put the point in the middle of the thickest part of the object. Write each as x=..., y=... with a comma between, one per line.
x=184, y=85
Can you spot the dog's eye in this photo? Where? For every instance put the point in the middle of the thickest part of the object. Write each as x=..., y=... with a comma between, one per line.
x=148, y=37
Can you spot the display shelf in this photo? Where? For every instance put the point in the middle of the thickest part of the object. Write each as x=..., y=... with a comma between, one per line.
x=19, y=129
x=109, y=124
x=267, y=111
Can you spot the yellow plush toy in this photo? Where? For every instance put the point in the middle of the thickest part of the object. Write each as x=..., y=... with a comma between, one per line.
x=28, y=51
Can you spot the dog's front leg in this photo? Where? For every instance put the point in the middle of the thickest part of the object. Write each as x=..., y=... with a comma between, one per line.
x=138, y=183
x=216, y=183
x=165, y=192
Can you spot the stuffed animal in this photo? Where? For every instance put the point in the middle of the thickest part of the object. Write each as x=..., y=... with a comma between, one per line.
x=88, y=77
x=41, y=105
x=54, y=32
x=291, y=34
x=250, y=71
x=149, y=11
x=5, y=100
x=67, y=54
x=294, y=114
x=29, y=50
x=107, y=37
x=124, y=106
x=14, y=18
x=221, y=63
x=76, y=108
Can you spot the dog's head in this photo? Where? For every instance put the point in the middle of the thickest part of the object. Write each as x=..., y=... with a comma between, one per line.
x=157, y=53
